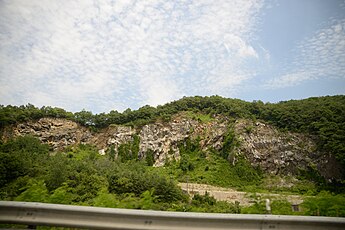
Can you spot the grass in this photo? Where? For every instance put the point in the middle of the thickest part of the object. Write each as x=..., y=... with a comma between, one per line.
x=204, y=118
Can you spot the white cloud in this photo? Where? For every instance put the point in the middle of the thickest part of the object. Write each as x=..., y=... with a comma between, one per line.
x=103, y=55
x=236, y=46
x=288, y=80
x=320, y=56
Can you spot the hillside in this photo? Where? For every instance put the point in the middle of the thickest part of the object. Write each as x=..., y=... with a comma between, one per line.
x=295, y=147
x=263, y=145
x=321, y=117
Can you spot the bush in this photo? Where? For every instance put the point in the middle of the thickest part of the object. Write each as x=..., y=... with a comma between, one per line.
x=325, y=204
x=135, y=178
x=36, y=191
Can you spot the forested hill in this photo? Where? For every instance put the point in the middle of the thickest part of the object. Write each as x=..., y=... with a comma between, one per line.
x=51, y=155
x=322, y=117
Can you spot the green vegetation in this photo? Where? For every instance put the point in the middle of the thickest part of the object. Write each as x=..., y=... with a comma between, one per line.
x=149, y=157
x=278, y=207
x=79, y=175
x=211, y=168
x=323, y=117
x=204, y=118
x=325, y=204
x=207, y=203
x=127, y=151
x=229, y=144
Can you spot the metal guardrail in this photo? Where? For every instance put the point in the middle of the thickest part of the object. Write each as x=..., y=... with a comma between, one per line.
x=38, y=214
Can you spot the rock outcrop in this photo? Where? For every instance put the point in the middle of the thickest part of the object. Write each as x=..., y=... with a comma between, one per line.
x=275, y=152
x=163, y=139
x=112, y=136
x=283, y=153
x=58, y=133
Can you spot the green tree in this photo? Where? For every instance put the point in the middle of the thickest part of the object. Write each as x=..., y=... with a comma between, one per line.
x=325, y=204
x=106, y=199
x=36, y=191
x=149, y=157
x=62, y=195
x=112, y=153
x=11, y=167
x=85, y=118
x=57, y=171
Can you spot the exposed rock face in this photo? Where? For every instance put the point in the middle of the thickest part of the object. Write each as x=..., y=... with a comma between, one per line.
x=112, y=136
x=282, y=152
x=58, y=133
x=163, y=139
x=263, y=145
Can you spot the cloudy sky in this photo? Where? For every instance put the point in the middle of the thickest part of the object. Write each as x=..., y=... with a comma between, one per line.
x=111, y=55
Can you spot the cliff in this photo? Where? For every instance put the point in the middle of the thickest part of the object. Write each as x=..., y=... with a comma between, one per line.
x=263, y=145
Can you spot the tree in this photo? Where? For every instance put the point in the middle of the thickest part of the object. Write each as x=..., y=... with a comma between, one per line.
x=36, y=191
x=149, y=157
x=57, y=171
x=11, y=167
x=85, y=118
x=112, y=153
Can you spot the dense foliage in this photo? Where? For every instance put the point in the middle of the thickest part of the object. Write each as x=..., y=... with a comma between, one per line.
x=81, y=176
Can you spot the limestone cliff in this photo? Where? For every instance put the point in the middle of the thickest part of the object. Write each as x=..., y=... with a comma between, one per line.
x=161, y=138
x=58, y=133
x=275, y=152
x=284, y=153
x=164, y=138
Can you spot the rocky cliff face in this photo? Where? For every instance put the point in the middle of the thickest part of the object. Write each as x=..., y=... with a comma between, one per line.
x=273, y=151
x=58, y=133
x=161, y=138
x=284, y=153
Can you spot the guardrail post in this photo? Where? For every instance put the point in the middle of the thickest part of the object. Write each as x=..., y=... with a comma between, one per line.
x=268, y=206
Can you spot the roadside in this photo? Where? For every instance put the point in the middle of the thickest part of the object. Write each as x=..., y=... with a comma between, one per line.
x=231, y=195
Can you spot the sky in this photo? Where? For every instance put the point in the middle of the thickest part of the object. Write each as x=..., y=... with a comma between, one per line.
x=113, y=55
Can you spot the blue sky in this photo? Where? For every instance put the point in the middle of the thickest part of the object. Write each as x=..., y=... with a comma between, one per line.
x=113, y=55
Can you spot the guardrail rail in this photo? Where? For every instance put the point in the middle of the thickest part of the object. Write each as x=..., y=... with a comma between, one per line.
x=41, y=214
